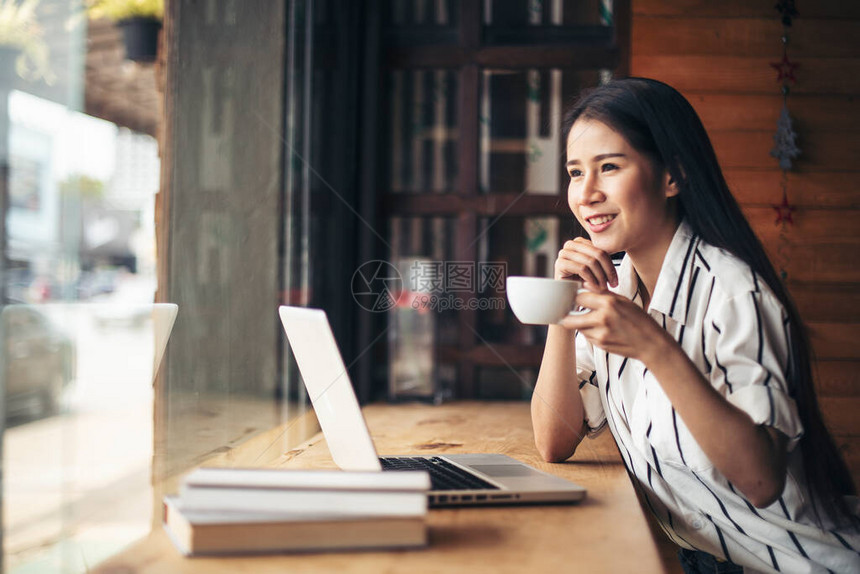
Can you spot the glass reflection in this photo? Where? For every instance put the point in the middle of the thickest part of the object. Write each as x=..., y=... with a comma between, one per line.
x=526, y=246
x=425, y=317
x=414, y=15
x=505, y=383
x=513, y=14
x=521, y=145
x=77, y=449
x=423, y=131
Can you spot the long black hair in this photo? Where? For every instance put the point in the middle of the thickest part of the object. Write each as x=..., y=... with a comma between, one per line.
x=660, y=123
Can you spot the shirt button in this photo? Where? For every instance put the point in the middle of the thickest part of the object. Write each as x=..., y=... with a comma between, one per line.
x=698, y=523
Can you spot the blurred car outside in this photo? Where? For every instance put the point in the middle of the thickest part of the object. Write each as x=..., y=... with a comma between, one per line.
x=39, y=362
x=96, y=283
x=128, y=305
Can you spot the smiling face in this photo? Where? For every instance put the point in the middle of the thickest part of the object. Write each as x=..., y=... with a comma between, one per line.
x=618, y=195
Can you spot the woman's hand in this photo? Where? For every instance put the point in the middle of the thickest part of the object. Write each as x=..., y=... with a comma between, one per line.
x=580, y=259
x=619, y=326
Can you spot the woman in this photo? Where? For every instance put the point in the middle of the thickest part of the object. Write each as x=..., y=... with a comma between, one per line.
x=692, y=354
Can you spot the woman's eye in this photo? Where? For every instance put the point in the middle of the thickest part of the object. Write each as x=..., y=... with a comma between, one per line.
x=608, y=167
x=575, y=173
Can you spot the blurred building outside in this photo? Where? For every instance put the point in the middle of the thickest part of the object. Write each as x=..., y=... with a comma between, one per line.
x=66, y=244
x=79, y=229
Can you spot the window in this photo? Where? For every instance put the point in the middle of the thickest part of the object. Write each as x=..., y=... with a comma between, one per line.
x=299, y=141
x=472, y=94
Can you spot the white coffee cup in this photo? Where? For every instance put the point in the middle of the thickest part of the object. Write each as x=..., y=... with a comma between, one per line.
x=541, y=300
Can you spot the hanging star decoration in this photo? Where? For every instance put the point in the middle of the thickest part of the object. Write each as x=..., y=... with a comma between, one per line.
x=787, y=10
x=784, y=211
x=785, y=141
x=785, y=69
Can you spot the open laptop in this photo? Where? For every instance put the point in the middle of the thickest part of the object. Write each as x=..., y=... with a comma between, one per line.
x=458, y=479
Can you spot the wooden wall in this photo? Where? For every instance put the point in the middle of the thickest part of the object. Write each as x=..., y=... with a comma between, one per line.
x=718, y=55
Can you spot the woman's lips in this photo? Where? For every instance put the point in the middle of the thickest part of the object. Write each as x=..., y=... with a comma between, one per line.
x=598, y=223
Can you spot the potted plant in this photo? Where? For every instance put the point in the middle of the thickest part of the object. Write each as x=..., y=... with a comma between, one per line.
x=139, y=20
x=23, y=50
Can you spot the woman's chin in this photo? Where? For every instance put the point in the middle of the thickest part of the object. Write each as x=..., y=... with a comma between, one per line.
x=605, y=244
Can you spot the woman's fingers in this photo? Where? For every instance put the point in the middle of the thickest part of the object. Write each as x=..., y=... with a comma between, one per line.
x=598, y=257
x=588, y=300
x=580, y=258
x=568, y=266
x=614, y=324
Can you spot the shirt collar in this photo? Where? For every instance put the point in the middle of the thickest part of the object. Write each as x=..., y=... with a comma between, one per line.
x=628, y=280
x=672, y=289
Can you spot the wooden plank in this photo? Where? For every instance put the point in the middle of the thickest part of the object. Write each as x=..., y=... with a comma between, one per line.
x=805, y=189
x=623, y=21
x=835, y=340
x=467, y=184
x=750, y=112
x=827, y=262
x=586, y=56
x=849, y=446
x=828, y=302
x=749, y=37
x=500, y=355
x=495, y=355
x=810, y=225
x=375, y=106
x=520, y=539
x=510, y=204
x=695, y=74
x=837, y=378
x=822, y=151
x=580, y=55
x=840, y=414
x=745, y=9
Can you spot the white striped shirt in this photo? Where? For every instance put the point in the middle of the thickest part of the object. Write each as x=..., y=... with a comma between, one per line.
x=736, y=332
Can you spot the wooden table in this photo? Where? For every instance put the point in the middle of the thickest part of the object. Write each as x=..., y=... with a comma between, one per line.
x=607, y=532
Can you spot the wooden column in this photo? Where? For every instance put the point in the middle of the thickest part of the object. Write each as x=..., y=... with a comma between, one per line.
x=219, y=206
x=467, y=222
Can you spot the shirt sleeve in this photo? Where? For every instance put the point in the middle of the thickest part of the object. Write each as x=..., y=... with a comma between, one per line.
x=592, y=405
x=749, y=349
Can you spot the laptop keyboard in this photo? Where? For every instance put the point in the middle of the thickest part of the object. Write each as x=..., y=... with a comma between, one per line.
x=443, y=474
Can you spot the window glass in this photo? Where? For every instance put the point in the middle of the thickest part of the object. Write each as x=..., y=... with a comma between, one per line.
x=77, y=283
x=519, y=15
x=521, y=144
x=417, y=22
x=422, y=151
x=90, y=441
x=423, y=317
x=77, y=446
x=505, y=383
x=523, y=246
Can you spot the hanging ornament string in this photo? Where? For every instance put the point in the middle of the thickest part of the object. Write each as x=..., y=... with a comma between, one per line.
x=785, y=149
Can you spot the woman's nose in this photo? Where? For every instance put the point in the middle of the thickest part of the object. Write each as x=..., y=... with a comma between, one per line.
x=588, y=191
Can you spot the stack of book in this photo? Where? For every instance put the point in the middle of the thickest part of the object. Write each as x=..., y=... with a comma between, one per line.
x=228, y=511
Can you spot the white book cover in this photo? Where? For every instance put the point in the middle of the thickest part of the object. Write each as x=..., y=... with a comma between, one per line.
x=301, y=501
x=265, y=478
x=219, y=533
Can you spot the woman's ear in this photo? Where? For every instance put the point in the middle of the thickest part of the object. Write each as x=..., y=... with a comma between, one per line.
x=670, y=186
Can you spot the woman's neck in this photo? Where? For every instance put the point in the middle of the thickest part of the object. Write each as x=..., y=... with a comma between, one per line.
x=648, y=261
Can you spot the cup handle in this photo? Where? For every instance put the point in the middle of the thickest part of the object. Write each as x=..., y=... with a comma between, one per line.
x=582, y=311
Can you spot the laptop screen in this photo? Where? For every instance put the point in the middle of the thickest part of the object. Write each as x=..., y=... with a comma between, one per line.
x=327, y=380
